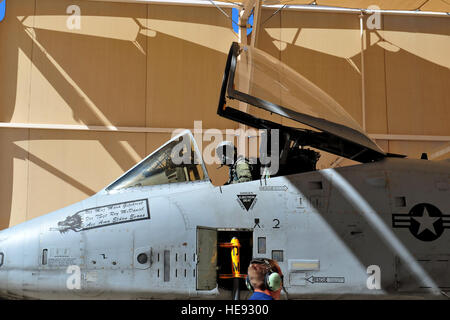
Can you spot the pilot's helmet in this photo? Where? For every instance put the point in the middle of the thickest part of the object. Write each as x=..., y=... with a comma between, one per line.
x=226, y=152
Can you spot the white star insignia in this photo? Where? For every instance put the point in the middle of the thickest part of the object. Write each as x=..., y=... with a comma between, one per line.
x=426, y=222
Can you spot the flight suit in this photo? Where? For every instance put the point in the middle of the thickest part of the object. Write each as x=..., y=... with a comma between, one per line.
x=240, y=171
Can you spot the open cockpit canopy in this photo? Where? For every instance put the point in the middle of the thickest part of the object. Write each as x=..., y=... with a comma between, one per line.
x=179, y=160
x=277, y=97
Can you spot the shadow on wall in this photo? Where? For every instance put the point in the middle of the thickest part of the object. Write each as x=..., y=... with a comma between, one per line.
x=100, y=77
x=125, y=65
x=410, y=54
x=406, y=68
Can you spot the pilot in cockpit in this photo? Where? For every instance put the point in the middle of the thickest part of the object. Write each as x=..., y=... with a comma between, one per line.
x=239, y=166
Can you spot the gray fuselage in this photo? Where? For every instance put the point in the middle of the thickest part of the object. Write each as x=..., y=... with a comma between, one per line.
x=327, y=228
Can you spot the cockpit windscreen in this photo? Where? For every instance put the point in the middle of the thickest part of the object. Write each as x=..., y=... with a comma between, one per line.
x=261, y=75
x=268, y=85
x=176, y=161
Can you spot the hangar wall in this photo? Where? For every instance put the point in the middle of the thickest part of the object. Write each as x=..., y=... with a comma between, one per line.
x=160, y=67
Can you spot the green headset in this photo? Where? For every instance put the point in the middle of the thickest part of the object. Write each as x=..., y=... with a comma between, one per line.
x=272, y=280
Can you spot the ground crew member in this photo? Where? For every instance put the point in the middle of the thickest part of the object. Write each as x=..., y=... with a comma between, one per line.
x=265, y=279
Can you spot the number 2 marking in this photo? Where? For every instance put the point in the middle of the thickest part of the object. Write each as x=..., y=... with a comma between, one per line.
x=277, y=224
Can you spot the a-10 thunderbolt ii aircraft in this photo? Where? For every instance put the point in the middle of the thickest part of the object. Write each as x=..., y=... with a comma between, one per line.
x=373, y=230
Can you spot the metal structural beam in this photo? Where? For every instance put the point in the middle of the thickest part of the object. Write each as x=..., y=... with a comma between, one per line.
x=359, y=11
x=406, y=137
x=363, y=72
x=248, y=7
x=256, y=23
x=317, y=8
x=70, y=127
x=206, y=3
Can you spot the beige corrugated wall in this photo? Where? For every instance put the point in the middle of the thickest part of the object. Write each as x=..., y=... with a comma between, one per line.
x=160, y=66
